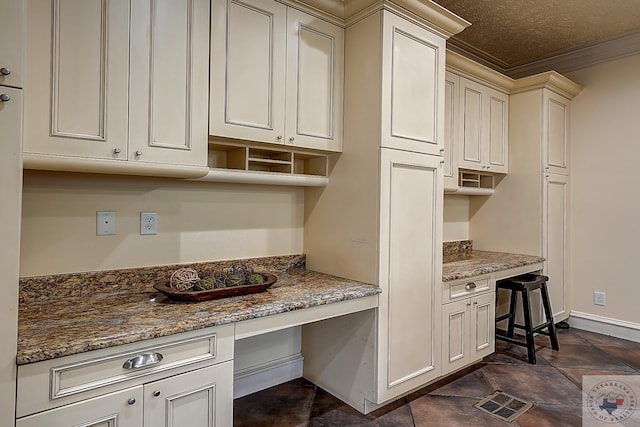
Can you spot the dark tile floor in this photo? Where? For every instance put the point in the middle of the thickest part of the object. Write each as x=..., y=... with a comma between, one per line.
x=553, y=385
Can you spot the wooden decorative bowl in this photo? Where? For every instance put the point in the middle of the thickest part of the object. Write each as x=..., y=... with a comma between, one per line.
x=211, y=294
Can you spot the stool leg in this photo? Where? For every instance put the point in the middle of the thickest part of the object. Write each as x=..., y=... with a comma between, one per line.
x=512, y=313
x=528, y=328
x=549, y=315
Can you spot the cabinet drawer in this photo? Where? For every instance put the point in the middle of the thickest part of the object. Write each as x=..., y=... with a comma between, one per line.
x=51, y=383
x=464, y=288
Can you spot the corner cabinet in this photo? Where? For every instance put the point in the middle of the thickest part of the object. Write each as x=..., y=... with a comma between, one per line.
x=538, y=184
x=191, y=385
x=276, y=75
x=379, y=219
x=117, y=87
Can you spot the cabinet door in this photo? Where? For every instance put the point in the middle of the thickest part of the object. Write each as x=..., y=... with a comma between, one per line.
x=455, y=338
x=11, y=190
x=315, y=71
x=169, y=81
x=412, y=87
x=451, y=119
x=248, y=41
x=554, y=242
x=555, y=129
x=482, y=327
x=201, y=398
x=470, y=148
x=411, y=197
x=120, y=409
x=11, y=42
x=496, y=125
x=77, y=67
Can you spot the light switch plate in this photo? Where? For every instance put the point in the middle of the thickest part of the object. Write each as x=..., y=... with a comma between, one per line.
x=105, y=223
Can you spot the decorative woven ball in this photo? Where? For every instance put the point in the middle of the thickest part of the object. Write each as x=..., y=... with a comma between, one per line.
x=207, y=283
x=220, y=279
x=241, y=270
x=184, y=279
x=255, y=278
x=234, y=280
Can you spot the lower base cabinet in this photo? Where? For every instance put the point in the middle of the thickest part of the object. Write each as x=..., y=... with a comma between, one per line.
x=468, y=331
x=200, y=398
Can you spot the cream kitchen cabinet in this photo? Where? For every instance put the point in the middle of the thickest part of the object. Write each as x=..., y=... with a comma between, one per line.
x=11, y=43
x=483, y=135
x=184, y=379
x=539, y=114
x=468, y=323
x=276, y=75
x=451, y=129
x=412, y=87
x=200, y=398
x=117, y=87
x=556, y=132
x=379, y=219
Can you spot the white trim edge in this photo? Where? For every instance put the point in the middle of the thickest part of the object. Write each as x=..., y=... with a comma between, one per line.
x=265, y=375
x=605, y=325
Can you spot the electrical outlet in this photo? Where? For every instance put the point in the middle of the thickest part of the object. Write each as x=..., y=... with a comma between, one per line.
x=148, y=223
x=105, y=223
x=599, y=298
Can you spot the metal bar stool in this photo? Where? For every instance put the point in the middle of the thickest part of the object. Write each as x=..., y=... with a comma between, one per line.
x=524, y=284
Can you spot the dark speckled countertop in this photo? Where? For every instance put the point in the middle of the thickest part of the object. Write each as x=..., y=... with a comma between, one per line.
x=60, y=315
x=474, y=263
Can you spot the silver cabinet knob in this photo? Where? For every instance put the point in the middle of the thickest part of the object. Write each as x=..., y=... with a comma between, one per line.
x=156, y=393
x=117, y=151
x=279, y=137
x=138, y=153
x=442, y=162
x=131, y=401
x=292, y=139
x=4, y=97
x=442, y=150
x=5, y=71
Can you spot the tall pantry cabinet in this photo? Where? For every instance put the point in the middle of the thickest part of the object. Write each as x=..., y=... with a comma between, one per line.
x=11, y=81
x=529, y=214
x=384, y=201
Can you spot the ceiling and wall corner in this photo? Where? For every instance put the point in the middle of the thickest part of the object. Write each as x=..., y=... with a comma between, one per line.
x=524, y=37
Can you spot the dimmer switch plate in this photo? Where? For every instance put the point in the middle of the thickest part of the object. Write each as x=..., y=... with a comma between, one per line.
x=105, y=223
x=148, y=223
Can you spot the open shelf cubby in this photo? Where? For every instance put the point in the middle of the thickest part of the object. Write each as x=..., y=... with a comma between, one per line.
x=243, y=163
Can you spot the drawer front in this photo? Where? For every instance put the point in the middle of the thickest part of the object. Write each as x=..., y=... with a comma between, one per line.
x=60, y=381
x=454, y=291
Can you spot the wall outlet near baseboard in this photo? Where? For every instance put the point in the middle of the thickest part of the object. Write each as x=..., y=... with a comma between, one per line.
x=599, y=298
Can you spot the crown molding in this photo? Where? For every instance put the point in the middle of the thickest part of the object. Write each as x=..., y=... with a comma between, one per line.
x=582, y=58
x=562, y=63
x=460, y=64
x=550, y=80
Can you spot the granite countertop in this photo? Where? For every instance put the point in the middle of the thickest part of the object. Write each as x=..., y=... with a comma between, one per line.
x=474, y=263
x=67, y=314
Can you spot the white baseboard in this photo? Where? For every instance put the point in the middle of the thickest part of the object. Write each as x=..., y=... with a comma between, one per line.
x=605, y=325
x=269, y=374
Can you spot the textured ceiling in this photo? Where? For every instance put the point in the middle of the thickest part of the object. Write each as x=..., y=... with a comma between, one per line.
x=512, y=33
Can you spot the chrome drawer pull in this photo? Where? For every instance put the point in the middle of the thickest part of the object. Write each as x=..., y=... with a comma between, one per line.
x=470, y=286
x=143, y=360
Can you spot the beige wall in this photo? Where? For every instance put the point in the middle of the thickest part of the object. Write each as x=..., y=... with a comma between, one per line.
x=605, y=208
x=456, y=218
x=197, y=222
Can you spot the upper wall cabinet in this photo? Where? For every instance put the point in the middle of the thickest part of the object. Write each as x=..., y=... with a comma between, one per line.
x=412, y=95
x=11, y=44
x=276, y=75
x=556, y=113
x=483, y=143
x=117, y=86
